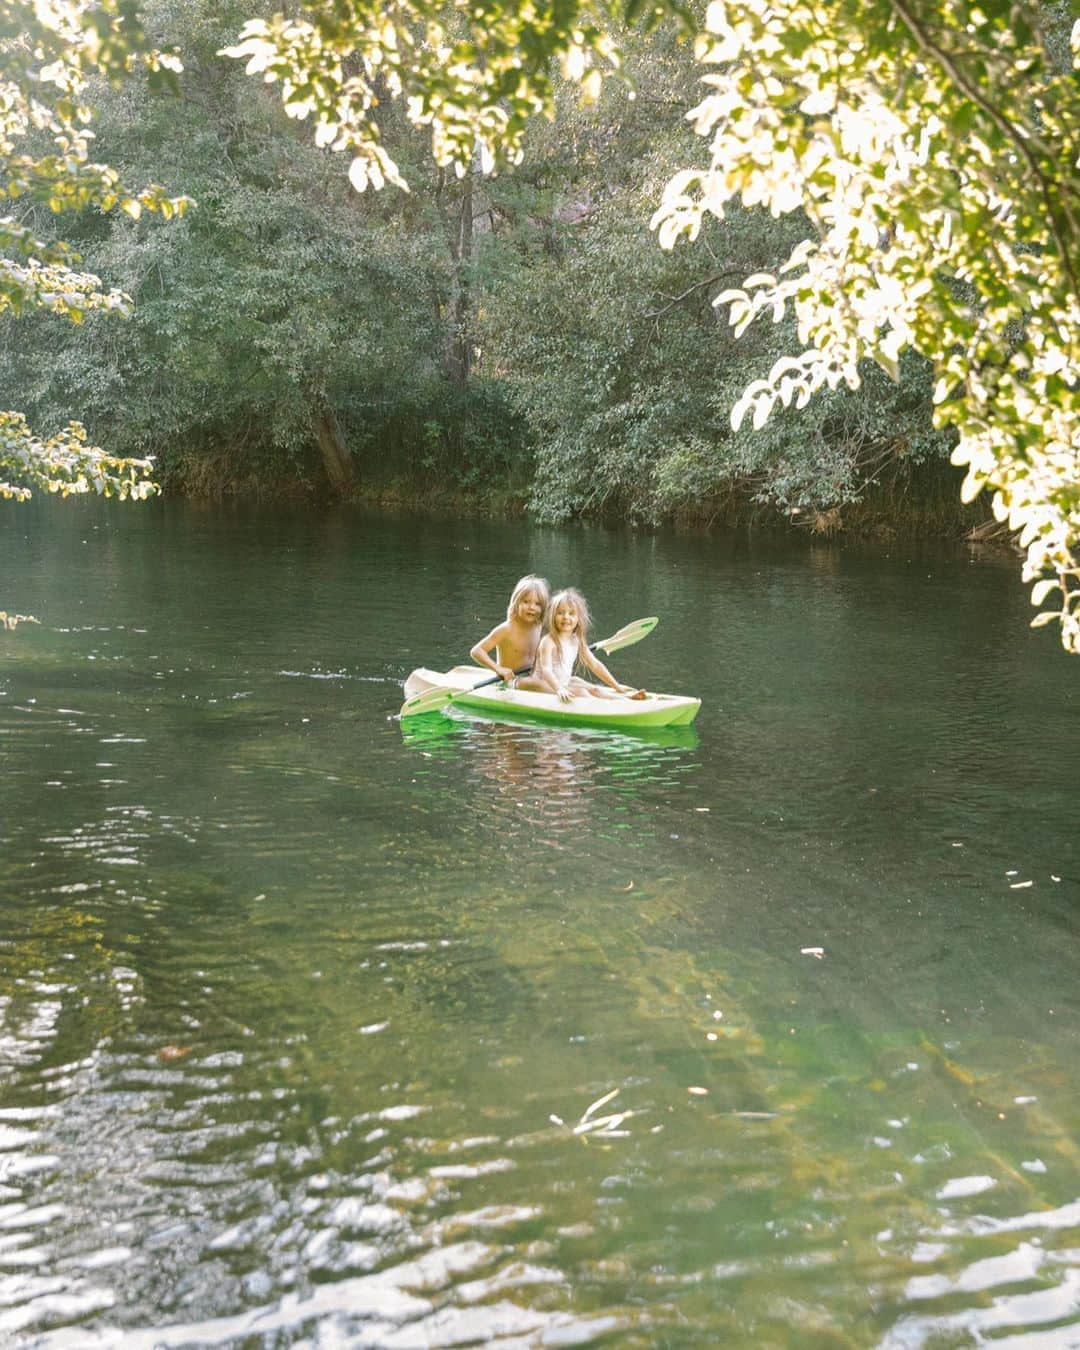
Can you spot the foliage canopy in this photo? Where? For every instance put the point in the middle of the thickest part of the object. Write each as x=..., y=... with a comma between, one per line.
x=511, y=334
x=473, y=72
x=48, y=52
x=936, y=151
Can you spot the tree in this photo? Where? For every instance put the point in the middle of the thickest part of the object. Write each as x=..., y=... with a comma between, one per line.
x=47, y=54
x=933, y=150
x=619, y=362
x=289, y=335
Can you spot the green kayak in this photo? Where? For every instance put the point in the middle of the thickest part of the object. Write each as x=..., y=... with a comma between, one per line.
x=624, y=714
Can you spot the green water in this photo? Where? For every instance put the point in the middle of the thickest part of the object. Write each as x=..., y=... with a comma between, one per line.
x=300, y=1007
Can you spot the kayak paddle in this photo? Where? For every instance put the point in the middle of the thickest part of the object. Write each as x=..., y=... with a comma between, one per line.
x=431, y=700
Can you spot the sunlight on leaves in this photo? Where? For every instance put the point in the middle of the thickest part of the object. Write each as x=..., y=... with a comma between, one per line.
x=943, y=209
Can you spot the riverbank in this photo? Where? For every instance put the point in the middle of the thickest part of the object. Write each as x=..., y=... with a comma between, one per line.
x=919, y=501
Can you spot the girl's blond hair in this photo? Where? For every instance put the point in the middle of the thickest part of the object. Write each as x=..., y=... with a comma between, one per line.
x=570, y=596
x=526, y=584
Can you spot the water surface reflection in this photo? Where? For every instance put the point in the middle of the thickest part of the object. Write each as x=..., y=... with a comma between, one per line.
x=302, y=1011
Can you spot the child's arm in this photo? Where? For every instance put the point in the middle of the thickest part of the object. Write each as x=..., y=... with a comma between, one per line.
x=479, y=653
x=593, y=663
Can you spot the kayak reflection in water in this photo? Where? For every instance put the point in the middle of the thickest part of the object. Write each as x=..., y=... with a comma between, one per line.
x=564, y=644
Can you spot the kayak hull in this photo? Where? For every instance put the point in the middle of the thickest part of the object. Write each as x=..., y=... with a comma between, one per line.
x=620, y=715
x=623, y=714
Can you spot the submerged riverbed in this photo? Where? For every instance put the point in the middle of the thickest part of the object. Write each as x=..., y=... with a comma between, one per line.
x=303, y=1009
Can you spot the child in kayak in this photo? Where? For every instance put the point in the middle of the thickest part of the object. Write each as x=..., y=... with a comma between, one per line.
x=515, y=641
x=564, y=644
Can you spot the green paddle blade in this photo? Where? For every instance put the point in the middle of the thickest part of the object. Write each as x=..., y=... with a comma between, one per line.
x=626, y=637
x=431, y=700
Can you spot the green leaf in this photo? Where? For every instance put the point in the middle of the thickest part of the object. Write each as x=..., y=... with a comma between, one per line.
x=1042, y=589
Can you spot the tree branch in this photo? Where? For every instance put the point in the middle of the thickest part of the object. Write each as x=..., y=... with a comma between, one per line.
x=673, y=300
x=1053, y=198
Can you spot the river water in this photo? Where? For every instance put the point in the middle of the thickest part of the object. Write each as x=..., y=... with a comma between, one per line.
x=305, y=1013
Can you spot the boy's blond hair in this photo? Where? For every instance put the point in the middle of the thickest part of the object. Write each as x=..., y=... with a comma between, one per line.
x=526, y=584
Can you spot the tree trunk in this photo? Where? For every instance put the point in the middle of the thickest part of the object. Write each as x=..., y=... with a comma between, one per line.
x=459, y=347
x=335, y=453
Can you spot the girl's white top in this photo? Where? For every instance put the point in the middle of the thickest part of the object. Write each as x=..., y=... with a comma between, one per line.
x=563, y=659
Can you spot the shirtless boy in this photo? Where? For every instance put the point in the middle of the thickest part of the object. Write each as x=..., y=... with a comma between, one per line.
x=514, y=641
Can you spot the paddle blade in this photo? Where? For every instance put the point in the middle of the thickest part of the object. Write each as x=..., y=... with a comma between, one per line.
x=430, y=700
x=419, y=682
x=626, y=637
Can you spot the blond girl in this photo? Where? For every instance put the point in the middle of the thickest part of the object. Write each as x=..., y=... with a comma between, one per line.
x=514, y=642
x=566, y=643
